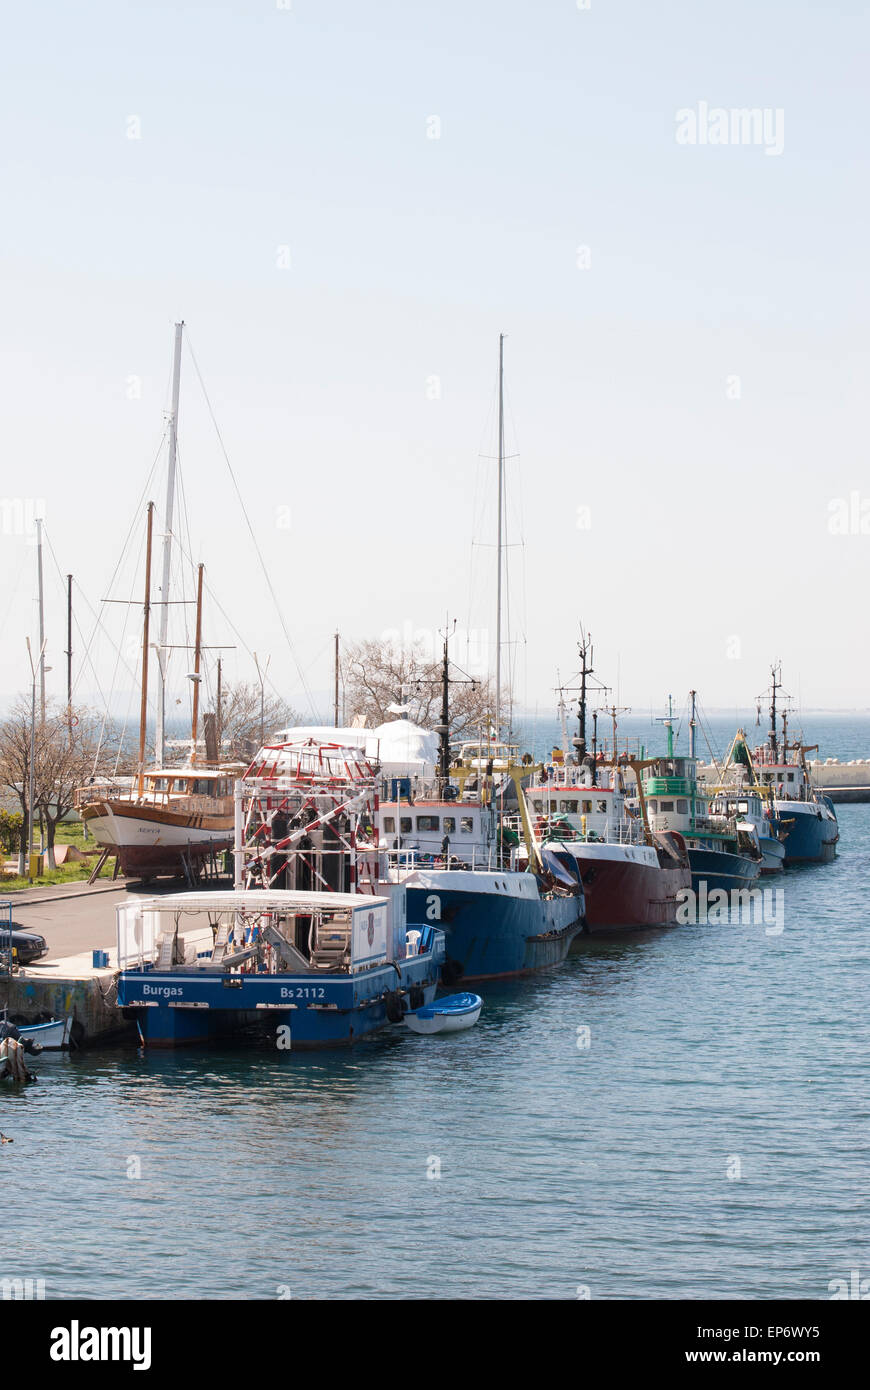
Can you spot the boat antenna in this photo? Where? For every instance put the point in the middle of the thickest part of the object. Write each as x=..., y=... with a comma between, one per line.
x=668, y=721
x=586, y=669
x=692, y=724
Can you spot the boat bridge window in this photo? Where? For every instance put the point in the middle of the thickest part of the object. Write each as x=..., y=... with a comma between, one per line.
x=602, y=807
x=466, y=825
x=536, y=806
x=667, y=806
x=653, y=805
x=682, y=808
x=587, y=808
x=389, y=824
x=405, y=825
x=449, y=825
x=791, y=776
x=427, y=822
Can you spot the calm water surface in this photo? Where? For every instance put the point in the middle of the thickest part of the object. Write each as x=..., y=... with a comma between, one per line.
x=713, y=1050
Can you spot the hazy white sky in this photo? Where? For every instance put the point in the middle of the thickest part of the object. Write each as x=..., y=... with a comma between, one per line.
x=687, y=351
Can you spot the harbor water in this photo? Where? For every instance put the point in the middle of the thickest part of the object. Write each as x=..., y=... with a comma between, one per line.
x=678, y=1114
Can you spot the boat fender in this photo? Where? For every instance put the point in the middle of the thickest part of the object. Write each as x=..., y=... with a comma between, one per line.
x=394, y=1006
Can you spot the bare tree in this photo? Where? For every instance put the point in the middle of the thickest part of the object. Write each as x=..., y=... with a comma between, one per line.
x=240, y=717
x=378, y=674
x=68, y=749
x=15, y=767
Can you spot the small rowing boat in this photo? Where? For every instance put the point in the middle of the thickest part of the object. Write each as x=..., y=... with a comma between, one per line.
x=52, y=1036
x=451, y=1014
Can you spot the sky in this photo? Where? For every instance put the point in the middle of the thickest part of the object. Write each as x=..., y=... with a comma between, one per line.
x=347, y=204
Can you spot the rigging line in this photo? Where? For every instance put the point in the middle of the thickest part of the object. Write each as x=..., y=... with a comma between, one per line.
x=266, y=575
x=98, y=622
x=106, y=700
x=235, y=631
x=78, y=627
x=207, y=690
x=180, y=569
x=136, y=517
x=98, y=626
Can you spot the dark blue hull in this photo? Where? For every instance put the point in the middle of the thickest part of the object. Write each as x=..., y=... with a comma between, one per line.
x=489, y=935
x=811, y=832
x=721, y=869
x=284, y=1012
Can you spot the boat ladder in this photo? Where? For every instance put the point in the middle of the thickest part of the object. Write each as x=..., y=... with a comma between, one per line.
x=331, y=946
x=221, y=943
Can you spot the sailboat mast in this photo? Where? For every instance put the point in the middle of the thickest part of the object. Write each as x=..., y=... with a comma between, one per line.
x=692, y=694
x=167, y=545
x=41, y=620
x=337, y=639
x=143, y=709
x=499, y=540
x=194, y=723
x=69, y=654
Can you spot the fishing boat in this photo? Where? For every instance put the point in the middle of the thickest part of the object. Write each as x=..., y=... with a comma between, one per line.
x=722, y=856
x=452, y=1013
x=502, y=913
x=631, y=877
x=807, y=816
x=284, y=969
x=506, y=907
x=740, y=797
x=170, y=820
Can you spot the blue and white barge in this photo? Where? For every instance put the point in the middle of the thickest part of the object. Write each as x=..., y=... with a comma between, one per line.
x=272, y=967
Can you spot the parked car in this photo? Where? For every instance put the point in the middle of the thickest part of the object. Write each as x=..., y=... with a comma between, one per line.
x=27, y=945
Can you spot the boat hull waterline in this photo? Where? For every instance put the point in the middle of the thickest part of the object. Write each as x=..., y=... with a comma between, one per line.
x=494, y=932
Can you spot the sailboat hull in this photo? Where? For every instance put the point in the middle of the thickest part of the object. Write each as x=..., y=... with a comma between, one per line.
x=151, y=840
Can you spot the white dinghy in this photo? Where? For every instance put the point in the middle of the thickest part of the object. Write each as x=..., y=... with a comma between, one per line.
x=451, y=1014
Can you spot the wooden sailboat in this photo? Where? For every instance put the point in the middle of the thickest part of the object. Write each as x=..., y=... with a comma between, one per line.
x=172, y=818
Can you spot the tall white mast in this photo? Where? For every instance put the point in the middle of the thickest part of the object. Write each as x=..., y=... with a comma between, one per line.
x=41, y=620
x=499, y=540
x=162, y=652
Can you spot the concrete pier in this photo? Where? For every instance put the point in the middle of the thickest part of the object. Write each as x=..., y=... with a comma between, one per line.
x=75, y=920
x=840, y=781
x=70, y=986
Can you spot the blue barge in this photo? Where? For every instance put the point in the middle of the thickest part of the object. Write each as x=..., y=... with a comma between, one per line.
x=272, y=968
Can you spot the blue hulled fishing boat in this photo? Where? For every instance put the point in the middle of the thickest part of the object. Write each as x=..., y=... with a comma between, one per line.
x=807, y=817
x=461, y=867
x=724, y=852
